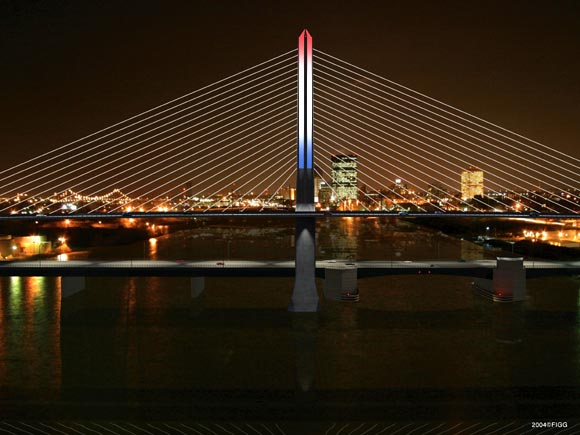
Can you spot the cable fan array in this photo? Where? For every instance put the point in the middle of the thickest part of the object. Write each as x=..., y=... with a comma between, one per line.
x=411, y=149
x=231, y=145
x=228, y=145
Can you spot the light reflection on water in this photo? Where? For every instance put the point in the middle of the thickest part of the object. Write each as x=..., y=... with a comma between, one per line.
x=121, y=336
x=30, y=335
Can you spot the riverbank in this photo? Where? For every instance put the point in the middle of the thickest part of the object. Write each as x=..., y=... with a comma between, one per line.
x=503, y=234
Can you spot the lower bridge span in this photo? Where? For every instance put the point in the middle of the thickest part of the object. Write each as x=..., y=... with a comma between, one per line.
x=241, y=268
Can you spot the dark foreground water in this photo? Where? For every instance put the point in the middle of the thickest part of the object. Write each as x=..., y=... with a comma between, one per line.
x=420, y=348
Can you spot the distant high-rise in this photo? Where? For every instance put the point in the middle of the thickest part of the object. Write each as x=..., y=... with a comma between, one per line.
x=324, y=194
x=471, y=183
x=344, y=176
x=317, y=184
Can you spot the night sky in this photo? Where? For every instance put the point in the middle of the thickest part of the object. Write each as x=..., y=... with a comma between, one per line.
x=73, y=67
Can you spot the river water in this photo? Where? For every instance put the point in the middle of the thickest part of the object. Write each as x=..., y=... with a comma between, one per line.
x=413, y=347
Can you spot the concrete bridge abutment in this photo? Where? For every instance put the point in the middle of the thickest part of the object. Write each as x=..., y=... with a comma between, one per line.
x=341, y=282
x=508, y=283
x=509, y=279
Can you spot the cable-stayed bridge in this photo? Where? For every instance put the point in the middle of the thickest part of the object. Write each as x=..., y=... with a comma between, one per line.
x=304, y=134
x=366, y=145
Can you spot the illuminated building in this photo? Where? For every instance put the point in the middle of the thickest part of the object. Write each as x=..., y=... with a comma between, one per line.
x=288, y=193
x=471, y=183
x=324, y=194
x=318, y=182
x=344, y=177
x=23, y=246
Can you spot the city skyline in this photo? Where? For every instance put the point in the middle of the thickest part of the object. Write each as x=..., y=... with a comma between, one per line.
x=342, y=191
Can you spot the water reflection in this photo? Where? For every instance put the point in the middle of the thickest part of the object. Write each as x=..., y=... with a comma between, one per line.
x=3, y=338
x=15, y=291
x=159, y=343
x=305, y=330
x=137, y=337
x=508, y=322
x=152, y=254
x=29, y=337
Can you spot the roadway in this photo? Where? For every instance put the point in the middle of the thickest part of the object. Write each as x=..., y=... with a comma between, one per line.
x=279, y=214
x=242, y=268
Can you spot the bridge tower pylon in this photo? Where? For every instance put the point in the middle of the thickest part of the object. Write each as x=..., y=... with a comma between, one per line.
x=305, y=170
x=305, y=296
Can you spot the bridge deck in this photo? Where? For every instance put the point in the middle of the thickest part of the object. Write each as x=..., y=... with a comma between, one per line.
x=233, y=268
x=280, y=214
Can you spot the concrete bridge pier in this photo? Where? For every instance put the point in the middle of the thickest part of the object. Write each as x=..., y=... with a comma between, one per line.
x=340, y=282
x=305, y=296
x=509, y=279
x=508, y=283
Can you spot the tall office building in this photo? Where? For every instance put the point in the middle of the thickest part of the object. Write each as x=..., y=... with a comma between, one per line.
x=317, y=184
x=471, y=183
x=344, y=176
x=324, y=194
